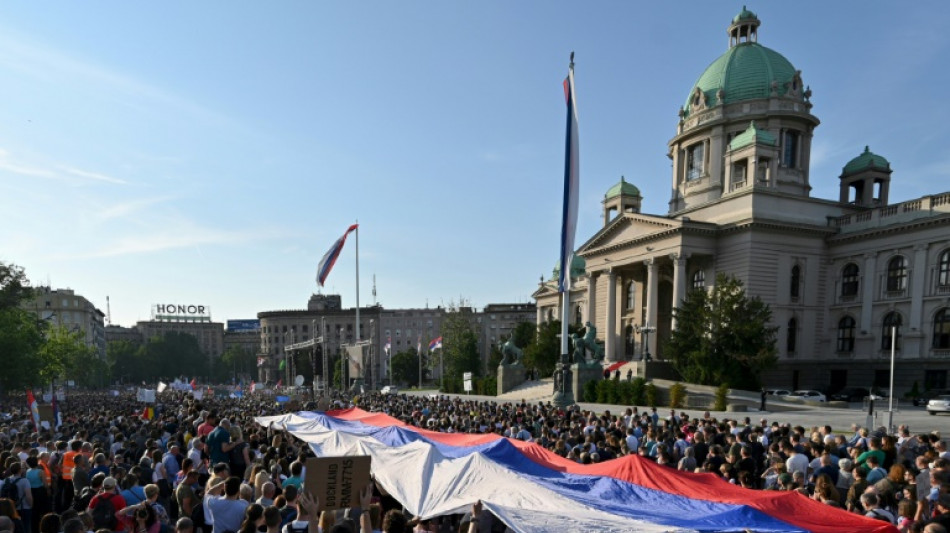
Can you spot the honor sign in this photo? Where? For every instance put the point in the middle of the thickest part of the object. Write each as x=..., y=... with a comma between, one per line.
x=181, y=313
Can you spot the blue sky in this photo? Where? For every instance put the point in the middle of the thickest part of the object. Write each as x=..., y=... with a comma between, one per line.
x=211, y=152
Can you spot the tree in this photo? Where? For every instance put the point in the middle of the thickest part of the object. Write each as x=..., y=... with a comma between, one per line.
x=459, y=345
x=66, y=355
x=21, y=332
x=722, y=336
x=121, y=357
x=405, y=367
x=240, y=362
x=545, y=351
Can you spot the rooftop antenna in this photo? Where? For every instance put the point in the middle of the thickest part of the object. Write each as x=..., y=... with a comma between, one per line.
x=374, y=291
x=108, y=312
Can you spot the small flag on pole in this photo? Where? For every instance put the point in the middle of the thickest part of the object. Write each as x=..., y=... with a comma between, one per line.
x=571, y=184
x=435, y=344
x=57, y=415
x=253, y=387
x=194, y=384
x=419, y=344
x=389, y=346
x=260, y=361
x=282, y=365
x=329, y=258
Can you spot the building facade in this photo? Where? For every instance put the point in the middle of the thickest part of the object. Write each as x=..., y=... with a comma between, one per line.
x=496, y=322
x=838, y=274
x=65, y=308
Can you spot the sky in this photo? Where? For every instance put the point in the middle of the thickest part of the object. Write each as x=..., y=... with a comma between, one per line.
x=211, y=152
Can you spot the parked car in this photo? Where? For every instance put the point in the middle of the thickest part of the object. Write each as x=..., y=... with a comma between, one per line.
x=777, y=392
x=851, y=394
x=390, y=389
x=808, y=395
x=940, y=404
x=925, y=398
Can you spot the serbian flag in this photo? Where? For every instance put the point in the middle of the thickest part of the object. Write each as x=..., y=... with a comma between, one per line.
x=571, y=184
x=436, y=343
x=329, y=258
x=57, y=415
x=34, y=409
x=530, y=488
x=194, y=384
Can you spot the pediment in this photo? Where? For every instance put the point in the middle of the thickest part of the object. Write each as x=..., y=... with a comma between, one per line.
x=628, y=228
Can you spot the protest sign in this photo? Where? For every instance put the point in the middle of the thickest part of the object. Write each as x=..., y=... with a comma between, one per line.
x=337, y=481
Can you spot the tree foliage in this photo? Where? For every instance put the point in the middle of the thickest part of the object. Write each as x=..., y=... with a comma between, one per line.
x=459, y=345
x=405, y=367
x=21, y=332
x=544, y=351
x=722, y=335
x=65, y=354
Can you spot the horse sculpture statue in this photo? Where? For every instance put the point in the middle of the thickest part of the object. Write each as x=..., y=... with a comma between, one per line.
x=511, y=354
x=587, y=343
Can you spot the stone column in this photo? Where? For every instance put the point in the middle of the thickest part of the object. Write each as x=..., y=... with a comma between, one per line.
x=610, y=324
x=867, y=294
x=652, y=288
x=539, y=315
x=679, y=283
x=918, y=278
x=591, y=297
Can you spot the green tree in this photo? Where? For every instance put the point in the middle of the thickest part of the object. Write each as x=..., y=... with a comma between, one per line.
x=65, y=355
x=722, y=335
x=241, y=363
x=121, y=357
x=545, y=350
x=405, y=367
x=21, y=332
x=459, y=345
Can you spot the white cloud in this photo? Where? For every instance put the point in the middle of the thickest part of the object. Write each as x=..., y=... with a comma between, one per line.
x=93, y=175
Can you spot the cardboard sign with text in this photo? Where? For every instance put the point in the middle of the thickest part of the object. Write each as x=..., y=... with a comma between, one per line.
x=337, y=481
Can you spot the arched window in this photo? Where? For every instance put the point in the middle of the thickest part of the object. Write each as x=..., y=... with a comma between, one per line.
x=943, y=270
x=942, y=330
x=631, y=295
x=846, y=335
x=790, y=152
x=796, y=283
x=891, y=320
x=897, y=274
x=791, y=341
x=699, y=279
x=849, y=280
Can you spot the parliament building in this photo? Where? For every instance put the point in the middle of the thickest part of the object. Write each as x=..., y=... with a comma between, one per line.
x=838, y=273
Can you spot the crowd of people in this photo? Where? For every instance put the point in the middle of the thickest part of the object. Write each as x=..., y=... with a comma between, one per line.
x=206, y=466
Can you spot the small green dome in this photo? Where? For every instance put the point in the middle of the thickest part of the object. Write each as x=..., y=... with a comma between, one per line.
x=745, y=14
x=752, y=135
x=867, y=160
x=745, y=72
x=622, y=187
x=578, y=267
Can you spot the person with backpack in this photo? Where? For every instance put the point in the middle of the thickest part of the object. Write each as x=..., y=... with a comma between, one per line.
x=104, y=506
x=17, y=488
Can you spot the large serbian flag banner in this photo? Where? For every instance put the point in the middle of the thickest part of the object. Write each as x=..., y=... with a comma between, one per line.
x=533, y=490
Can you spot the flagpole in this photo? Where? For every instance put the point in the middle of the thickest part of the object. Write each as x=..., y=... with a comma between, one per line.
x=357, y=343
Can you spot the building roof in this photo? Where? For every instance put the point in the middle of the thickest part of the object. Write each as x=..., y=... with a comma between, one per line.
x=867, y=160
x=745, y=72
x=578, y=267
x=752, y=135
x=622, y=187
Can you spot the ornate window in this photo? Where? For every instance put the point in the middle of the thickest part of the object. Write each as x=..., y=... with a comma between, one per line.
x=695, y=161
x=699, y=279
x=846, y=335
x=791, y=340
x=631, y=295
x=891, y=320
x=790, y=150
x=849, y=280
x=943, y=270
x=897, y=274
x=942, y=329
x=796, y=286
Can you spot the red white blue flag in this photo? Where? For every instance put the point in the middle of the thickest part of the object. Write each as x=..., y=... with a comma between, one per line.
x=436, y=343
x=329, y=258
x=34, y=409
x=571, y=184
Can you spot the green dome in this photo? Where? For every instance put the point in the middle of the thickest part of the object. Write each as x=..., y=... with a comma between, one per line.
x=867, y=160
x=745, y=72
x=752, y=135
x=745, y=14
x=622, y=187
x=578, y=267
